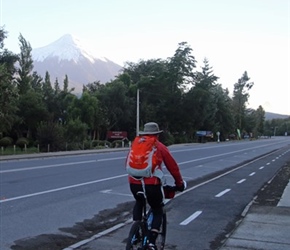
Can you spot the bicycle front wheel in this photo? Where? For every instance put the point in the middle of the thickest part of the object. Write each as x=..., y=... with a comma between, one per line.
x=160, y=241
x=136, y=236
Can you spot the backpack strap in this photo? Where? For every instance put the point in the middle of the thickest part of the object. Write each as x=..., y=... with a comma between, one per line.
x=159, y=174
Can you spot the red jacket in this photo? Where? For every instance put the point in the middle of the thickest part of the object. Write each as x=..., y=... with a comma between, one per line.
x=163, y=155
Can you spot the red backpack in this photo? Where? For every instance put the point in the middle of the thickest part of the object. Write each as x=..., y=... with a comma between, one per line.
x=142, y=160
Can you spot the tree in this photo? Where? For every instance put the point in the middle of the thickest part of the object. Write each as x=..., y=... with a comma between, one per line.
x=260, y=120
x=93, y=87
x=25, y=78
x=36, y=82
x=90, y=113
x=50, y=134
x=32, y=111
x=116, y=105
x=48, y=97
x=224, y=119
x=181, y=66
x=8, y=91
x=76, y=133
x=240, y=98
x=200, y=103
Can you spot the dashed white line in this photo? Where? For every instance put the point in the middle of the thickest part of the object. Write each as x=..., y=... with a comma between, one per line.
x=223, y=192
x=253, y=173
x=241, y=181
x=261, y=167
x=191, y=218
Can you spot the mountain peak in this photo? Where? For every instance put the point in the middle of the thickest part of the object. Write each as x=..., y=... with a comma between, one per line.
x=67, y=47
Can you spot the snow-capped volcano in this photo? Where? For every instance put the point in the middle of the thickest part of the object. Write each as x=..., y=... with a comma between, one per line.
x=69, y=56
x=67, y=47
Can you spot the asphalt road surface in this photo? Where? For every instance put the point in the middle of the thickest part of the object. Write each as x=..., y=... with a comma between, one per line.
x=51, y=203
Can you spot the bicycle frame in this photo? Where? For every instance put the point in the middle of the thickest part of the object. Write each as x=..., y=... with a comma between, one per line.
x=139, y=230
x=141, y=227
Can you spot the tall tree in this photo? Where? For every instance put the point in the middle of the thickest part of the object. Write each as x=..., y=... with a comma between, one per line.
x=89, y=108
x=48, y=96
x=8, y=91
x=181, y=66
x=259, y=122
x=240, y=99
x=25, y=78
x=200, y=103
x=224, y=119
x=116, y=104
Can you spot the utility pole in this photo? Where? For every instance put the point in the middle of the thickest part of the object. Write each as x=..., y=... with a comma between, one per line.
x=137, y=116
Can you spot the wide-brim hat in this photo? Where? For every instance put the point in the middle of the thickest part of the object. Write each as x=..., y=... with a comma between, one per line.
x=151, y=128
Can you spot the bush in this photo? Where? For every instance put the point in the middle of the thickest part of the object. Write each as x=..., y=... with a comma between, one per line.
x=5, y=142
x=21, y=142
x=100, y=144
x=117, y=144
x=167, y=138
x=87, y=144
x=50, y=133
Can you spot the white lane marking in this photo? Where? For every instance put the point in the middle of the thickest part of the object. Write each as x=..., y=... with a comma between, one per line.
x=112, y=159
x=118, y=158
x=221, y=175
x=46, y=166
x=251, y=174
x=241, y=181
x=109, y=191
x=87, y=183
x=223, y=192
x=261, y=167
x=62, y=188
x=190, y=218
x=185, y=162
x=268, y=163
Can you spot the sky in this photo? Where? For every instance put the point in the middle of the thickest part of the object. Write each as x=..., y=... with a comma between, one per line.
x=233, y=35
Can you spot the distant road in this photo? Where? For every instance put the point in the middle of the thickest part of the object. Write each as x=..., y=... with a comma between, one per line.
x=41, y=196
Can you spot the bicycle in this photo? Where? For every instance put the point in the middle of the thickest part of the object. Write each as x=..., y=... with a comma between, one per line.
x=138, y=234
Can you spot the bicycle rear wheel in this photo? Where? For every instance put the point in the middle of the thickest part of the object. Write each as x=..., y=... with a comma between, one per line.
x=160, y=241
x=136, y=236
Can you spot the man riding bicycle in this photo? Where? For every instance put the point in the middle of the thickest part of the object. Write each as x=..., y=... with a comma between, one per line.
x=153, y=185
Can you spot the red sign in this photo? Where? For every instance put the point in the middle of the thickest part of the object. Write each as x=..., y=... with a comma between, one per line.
x=116, y=134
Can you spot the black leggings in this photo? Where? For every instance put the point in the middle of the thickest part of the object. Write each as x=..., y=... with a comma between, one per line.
x=155, y=198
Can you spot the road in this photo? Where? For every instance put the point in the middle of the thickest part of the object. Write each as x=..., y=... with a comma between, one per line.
x=58, y=197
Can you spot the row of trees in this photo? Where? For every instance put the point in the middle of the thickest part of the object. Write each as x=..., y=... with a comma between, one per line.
x=172, y=92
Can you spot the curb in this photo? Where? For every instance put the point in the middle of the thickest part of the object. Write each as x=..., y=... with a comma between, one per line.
x=98, y=235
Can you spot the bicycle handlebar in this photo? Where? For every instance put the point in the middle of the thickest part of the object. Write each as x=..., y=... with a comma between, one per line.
x=174, y=188
x=170, y=191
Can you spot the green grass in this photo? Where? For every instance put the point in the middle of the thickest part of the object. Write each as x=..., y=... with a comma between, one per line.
x=18, y=151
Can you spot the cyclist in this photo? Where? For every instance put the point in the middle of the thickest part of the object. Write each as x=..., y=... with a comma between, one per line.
x=153, y=185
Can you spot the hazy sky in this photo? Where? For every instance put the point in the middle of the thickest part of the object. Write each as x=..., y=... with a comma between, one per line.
x=234, y=35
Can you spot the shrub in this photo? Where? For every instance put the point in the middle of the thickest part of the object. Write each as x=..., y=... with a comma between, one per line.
x=5, y=142
x=167, y=138
x=100, y=144
x=50, y=133
x=21, y=142
x=117, y=144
